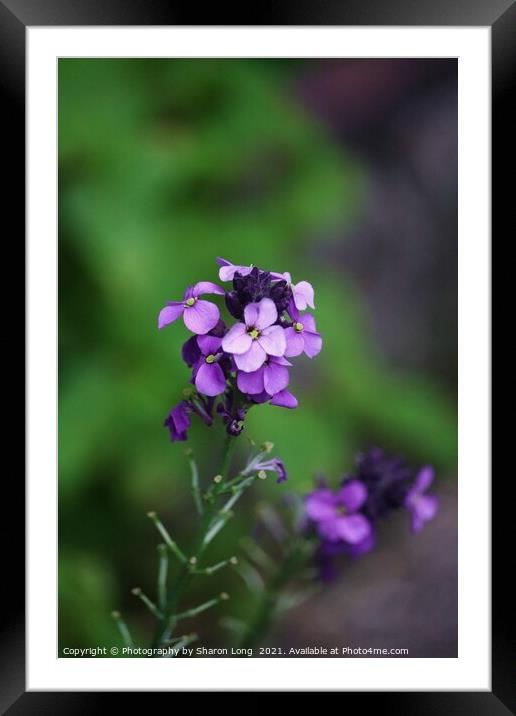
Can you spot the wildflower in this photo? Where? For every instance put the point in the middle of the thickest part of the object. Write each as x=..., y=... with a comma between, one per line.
x=199, y=316
x=422, y=507
x=251, y=342
x=336, y=514
x=208, y=375
x=302, y=337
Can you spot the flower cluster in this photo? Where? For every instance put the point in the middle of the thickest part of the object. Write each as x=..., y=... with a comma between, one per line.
x=344, y=519
x=237, y=366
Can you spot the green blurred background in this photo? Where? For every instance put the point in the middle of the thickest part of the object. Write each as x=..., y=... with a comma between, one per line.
x=337, y=171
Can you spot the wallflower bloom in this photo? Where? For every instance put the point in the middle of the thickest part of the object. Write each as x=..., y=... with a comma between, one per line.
x=199, y=316
x=208, y=375
x=251, y=342
x=302, y=337
x=336, y=514
x=235, y=367
x=422, y=507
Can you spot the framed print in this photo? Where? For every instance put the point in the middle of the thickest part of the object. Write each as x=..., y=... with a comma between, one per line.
x=258, y=366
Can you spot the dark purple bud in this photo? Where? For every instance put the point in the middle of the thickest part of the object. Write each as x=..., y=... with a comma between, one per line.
x=190, y=352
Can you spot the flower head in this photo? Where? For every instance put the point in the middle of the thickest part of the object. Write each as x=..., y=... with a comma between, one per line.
x=238, y=366
x=344, y=519
x=199, y=316
x=336, y=514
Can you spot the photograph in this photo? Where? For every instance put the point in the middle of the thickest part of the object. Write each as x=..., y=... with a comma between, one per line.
x=257, y=357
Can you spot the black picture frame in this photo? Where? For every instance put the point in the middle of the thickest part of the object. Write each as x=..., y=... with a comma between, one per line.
x=15, y=17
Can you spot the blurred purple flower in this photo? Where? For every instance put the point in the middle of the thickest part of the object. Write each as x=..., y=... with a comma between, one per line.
x=199, y=316
x=251, y=342
x=422, y=507
x=336, y=515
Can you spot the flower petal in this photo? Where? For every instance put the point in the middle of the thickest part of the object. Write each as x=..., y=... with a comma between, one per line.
x=424, y=509
x=353, y=528
x=424, y=479
x=308, y=322
x=237, y=340
x=228, y=270
x=267, y=314
x=170, y=313
x=250, y=383
x=201, y=317
x=207, y=287
x=209, y=345
x=303, y=293
x=285, y=399
x=273, y=340
x=275, y=378
x=320, y=505
x=353, y=494
x=251, y=313
x=253, y=359
x=210, y=379
x=295, y=342
x=313, y=343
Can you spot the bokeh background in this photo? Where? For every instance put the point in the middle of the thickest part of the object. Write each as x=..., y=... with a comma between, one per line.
x=343, y=172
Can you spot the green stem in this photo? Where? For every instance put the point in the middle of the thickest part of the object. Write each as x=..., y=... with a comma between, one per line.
x=167, y=623
x=266, y=610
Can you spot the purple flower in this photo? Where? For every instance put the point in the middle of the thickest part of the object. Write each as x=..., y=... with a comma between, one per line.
x=199, y=316
x=208, y=375
x=302, y=337
x=178, y=421
x=422, y=507
x=336, y=513
x=302, y=293
x=272, y=377
x=251, y=342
